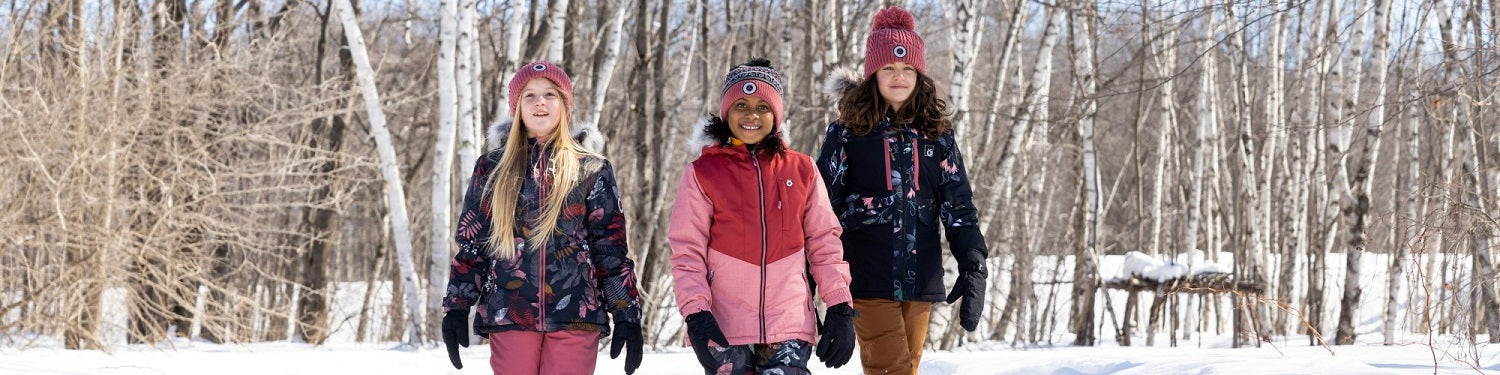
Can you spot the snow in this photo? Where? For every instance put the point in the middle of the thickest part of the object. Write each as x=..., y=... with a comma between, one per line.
x=1190, y=263
x=1204, y=352
x=292, y=358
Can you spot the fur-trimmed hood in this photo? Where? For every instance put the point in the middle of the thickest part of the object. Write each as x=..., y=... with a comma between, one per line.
x=587, y=135
x=700, y=137
x=840, y=82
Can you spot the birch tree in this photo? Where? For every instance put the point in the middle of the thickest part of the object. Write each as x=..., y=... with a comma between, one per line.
x=1166, y=65
x=1207, y=120
x=1086, y=266
x=466, y=91
x=605, y=65
x=967, y=36
x=514, y=21
x=1413, y=235
x=1321, y=204
x=390, y=170
x=1002, y=178
x=1035, y=116
x=1007, y=59
x=1275, y=117
x=442, y=160
x=558, y=22
x=1357, y=202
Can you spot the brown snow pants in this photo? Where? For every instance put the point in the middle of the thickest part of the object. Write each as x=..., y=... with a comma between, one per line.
x=891, y=334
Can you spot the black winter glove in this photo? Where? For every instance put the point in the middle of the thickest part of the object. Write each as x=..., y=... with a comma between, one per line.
x=971, y=286
x=455, y=333
x=837, y=343
x=701, y=329
x=627, y=335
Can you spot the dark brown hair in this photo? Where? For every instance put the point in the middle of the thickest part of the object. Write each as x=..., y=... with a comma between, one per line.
x=718, y=128
x=861, y=108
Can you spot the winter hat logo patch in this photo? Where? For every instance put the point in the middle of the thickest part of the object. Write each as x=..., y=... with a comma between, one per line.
x=746, y=80
x=540, y=69
x=893, y=38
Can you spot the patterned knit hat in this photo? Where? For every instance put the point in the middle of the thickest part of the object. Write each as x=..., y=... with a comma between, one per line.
x=541, y=69
x=756, y=78
x=893, y=38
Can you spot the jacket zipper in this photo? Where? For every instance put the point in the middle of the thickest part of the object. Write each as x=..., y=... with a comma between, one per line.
x=541, y=250
x=760, y=187
x=916, y=165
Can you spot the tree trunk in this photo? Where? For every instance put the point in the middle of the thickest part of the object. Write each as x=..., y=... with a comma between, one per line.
x=514, y=21
x=1166, y=63
x=1357, y=205
x=1002, y=177
x=1007, y=59
x=1086, y=264
x=606, y=71
x=442, y=159
x=967, y=17
x=1479, y=233
x=390, y=170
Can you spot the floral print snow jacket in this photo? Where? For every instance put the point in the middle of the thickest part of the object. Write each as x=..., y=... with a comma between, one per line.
x=569, y=283
x=892, y=189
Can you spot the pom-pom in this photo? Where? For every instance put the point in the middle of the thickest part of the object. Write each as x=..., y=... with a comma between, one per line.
x=759, y=61
x=893, y=18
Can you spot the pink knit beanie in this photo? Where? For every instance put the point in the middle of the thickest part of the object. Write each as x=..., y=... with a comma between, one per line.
x=893, y=38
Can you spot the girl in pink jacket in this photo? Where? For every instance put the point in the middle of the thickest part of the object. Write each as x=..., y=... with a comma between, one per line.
x=750, y=223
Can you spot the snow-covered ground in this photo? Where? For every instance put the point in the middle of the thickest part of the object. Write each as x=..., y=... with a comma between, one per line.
x=1203, y=353
x=289, y=358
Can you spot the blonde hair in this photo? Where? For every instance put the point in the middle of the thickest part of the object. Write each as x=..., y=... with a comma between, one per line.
x=505, y=183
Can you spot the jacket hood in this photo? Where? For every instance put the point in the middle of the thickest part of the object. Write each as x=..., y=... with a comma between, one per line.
x=586, y=134
x=841, y=81
x=701, y=138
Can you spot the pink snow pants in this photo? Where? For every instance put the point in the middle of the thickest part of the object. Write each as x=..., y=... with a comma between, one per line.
x=543, y=353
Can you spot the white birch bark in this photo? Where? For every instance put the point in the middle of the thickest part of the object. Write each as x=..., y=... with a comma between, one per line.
x=1372, y=139
x=967, y=18
x=390, y=171
x=558, y=23
x=1008, y=59
x=1355, y=196
x=1207, y=117
x=467, y=85
x=1325, y=200
x=442, y=160
x=1276, y=138
x=1166, y=66
x=612, y=36
x=1086, y=268
x=512, y=56
x=1026, y=117
x=1256, y=223
x=1486, y=305
x=1036, y=118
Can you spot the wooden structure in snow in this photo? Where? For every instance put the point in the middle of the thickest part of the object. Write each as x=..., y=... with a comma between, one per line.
x=1206, y=284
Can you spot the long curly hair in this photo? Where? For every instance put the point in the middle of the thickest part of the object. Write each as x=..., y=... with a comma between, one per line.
x=861, y=108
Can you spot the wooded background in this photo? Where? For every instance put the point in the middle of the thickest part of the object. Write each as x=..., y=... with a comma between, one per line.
x=223, y=164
